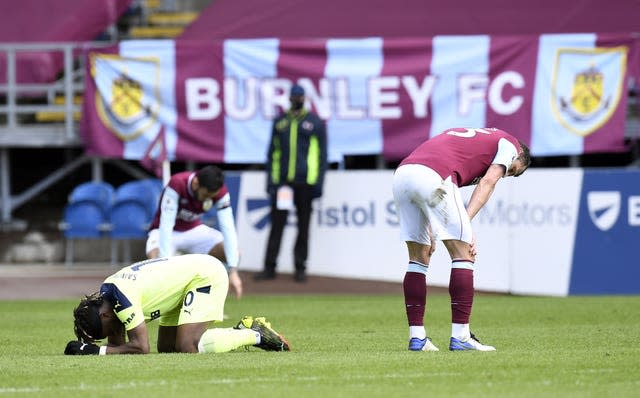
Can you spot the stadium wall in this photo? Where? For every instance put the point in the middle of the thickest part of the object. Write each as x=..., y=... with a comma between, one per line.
x=554, y=232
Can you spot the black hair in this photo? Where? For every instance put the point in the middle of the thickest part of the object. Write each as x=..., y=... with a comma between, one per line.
x=525, y=155
x=211, y=178
x=87, y=324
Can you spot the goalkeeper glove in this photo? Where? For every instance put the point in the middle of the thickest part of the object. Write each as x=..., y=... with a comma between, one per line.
x=80, y=348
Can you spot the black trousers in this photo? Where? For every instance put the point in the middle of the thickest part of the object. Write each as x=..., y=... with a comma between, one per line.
x=302, y=199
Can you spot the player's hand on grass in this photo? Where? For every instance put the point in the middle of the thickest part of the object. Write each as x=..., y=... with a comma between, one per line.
x=79, y=348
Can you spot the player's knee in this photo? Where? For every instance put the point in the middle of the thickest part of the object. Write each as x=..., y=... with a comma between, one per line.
x=218, y=252
x=459, y=249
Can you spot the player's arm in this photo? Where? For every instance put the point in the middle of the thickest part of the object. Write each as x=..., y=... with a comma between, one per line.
x=117, y=337
x=484, y=189
x=168, y=212
x=505, y=155
x=227, y=226
x=324, y=163
x=274, y=145
x=138, y=342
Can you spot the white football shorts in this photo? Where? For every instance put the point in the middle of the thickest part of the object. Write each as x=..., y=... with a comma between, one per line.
x=425, y=202
x=200, y=239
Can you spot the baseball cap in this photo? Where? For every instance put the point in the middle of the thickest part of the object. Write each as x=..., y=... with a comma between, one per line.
x=297, y=90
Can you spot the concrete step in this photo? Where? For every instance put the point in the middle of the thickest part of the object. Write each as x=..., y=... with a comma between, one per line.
x=33, y=247
x=55, y=117
x=155, y=32
x=171, y=18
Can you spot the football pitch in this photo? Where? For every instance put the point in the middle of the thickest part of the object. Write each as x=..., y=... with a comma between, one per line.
x=347, y=346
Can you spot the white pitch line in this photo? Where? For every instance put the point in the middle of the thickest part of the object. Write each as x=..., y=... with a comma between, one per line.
x=135, y=384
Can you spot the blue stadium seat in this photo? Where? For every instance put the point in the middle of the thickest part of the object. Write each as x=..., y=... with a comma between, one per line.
x=155, y=184
x=82, y=219
x=86, y=215
x=134, y=206
x=145, y=191
x=129, y=220
x=156, y=187
x=99, y=192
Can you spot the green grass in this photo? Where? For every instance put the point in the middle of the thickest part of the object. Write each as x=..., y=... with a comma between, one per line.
x=348, y=346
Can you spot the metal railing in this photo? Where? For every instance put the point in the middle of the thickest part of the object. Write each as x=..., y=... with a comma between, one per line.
x=21, y=102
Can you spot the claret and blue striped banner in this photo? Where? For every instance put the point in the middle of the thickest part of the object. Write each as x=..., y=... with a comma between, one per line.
x=563, y=94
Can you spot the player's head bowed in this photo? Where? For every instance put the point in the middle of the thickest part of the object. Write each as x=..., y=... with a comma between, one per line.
x=525, y=154
x=211, y=178
x=87, y=324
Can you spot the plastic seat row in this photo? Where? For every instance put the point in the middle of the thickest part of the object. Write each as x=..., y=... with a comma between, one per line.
x=96, y=210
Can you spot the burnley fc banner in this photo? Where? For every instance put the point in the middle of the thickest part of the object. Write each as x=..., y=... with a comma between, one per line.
x=214, y=102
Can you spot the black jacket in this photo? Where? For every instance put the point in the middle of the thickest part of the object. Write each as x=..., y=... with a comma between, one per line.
x=297, y=152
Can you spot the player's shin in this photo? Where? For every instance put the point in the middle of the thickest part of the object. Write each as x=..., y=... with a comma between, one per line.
x=227, y=339
x=461, y=292
x=415, y=297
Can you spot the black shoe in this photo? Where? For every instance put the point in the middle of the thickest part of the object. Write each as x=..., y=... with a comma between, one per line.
x=264, y=276
x=300, y=276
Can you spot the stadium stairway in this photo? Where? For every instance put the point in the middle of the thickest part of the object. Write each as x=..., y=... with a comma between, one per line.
x=58, y=116
x=161, y=23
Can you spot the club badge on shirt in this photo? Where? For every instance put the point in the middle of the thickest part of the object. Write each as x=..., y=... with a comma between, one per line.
x=206, y=205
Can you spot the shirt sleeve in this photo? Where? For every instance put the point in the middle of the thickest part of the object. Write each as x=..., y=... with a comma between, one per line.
x=228, y=228
x=126, y=306
x=168, y=213
x=273, y=143
x=507, y=153
x=131, y=317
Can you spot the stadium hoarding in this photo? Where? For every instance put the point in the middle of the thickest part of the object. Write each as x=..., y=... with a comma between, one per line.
x=214, y=101
x=605, y=250
x=538, y=235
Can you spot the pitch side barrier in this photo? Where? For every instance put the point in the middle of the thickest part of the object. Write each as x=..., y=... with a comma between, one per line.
x=553, y=232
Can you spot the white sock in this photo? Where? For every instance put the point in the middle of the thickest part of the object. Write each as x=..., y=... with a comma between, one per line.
x=218, y=340
x=417, y=331
x=460, y=331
